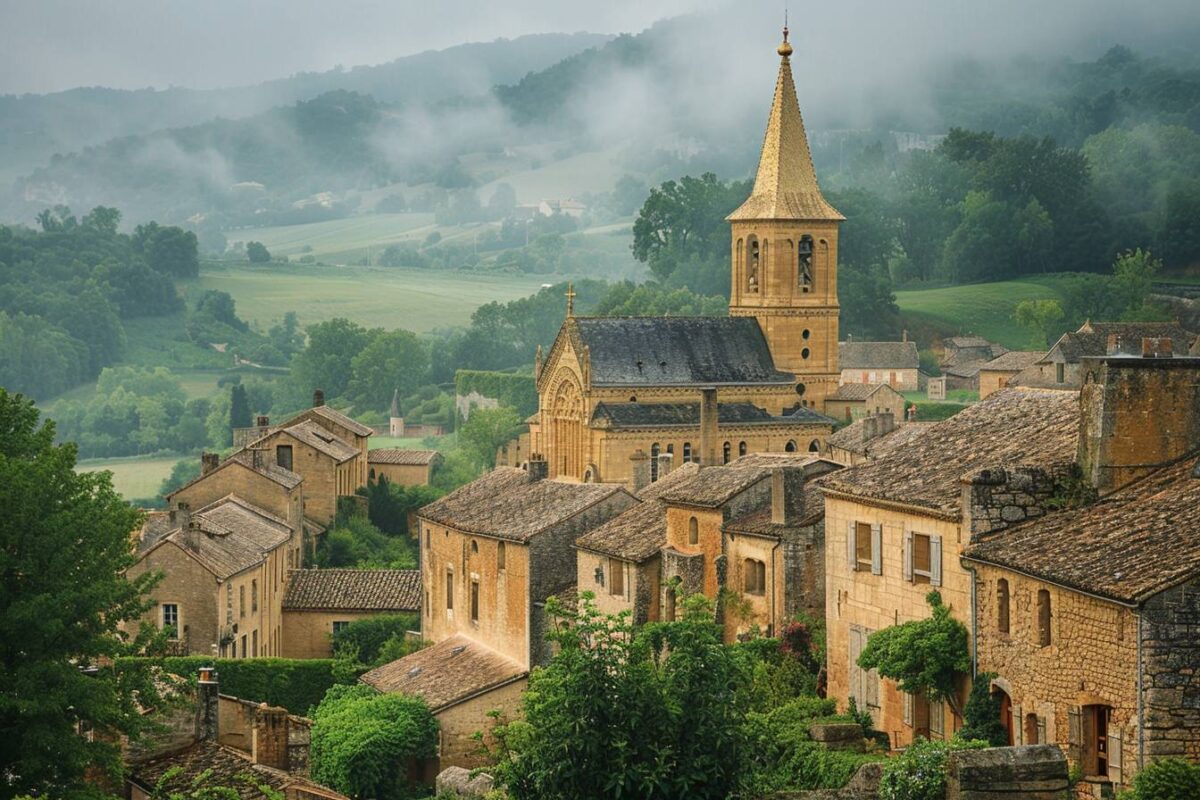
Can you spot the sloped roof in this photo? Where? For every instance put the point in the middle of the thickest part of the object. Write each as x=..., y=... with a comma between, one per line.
x=1016, y=426
x=313, y=435
x=852, y=438
x=1092, y=338
x=218, y=765
x=666, y=415
x=337, y=418
x=266, y=467
x=1128, y=546
x=713, y=486
x=676, y=476
x=506, y=504
x=758, y=522
x=878, y=355
x=1014, y=361
x=383, y=590
x=857, y=392
x=785, y=186
x=234, y=536
x=446, y=673
x=675, y=351
x=415, y=458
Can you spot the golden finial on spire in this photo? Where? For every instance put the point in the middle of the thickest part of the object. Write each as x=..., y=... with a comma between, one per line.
x=570, y=299
x=785, y=49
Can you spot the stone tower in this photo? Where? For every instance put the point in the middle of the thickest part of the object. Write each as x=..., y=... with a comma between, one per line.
x=395, y=421
x=785, y=240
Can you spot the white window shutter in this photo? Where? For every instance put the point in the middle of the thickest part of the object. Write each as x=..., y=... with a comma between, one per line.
x=935, y=560
x=877, y=549
x=1018, y=725
x=1116, y=771
x=908, y=708
x=852, y=546
x=908, y=555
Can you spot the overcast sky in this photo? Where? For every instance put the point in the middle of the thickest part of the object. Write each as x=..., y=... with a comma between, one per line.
x=49, y=45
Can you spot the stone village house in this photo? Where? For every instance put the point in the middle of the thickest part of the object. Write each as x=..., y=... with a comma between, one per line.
x=853, y=401
x=319, y=602
x=1060, y=367
x=894, y=364
x=997, y=373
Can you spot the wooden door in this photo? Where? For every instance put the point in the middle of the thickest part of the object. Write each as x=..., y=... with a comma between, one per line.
x=1006, y=715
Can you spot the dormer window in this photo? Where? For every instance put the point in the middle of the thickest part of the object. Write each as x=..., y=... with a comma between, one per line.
x=804, y=265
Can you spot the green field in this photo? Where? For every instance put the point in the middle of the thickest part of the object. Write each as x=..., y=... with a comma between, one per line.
x=440, y=443
x=331, y=237
x=417, y=300
x=136, y=477
x=984, y=309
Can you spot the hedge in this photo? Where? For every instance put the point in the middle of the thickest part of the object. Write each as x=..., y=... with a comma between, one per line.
x=293, y=683
x=517, y=391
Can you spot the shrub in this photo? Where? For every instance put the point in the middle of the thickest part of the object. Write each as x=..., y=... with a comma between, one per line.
x=1169, y=779
x=919, y=773
x=982, y=714
x=365, y=638
x=361, y=740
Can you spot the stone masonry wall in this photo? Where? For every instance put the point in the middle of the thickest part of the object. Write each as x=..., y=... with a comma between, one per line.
x=997, y=498
x=1170, y=639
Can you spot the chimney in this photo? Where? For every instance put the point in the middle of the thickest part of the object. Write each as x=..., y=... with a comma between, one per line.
x=318, y=398
x=209, y=462
x=1137, y=413
x=191, y=533
x=887, y=422
x=787, y=495
x=640, y=468
x=709, y=422
x=210, y=705
x=537, y=467
x=904, y=335
x=262, y=421
x=664, y=464
x=870, y=428
x=269, y=738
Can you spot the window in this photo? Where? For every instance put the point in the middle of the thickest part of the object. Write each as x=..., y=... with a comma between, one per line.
x=752, y=267
x=790, y=447
x=242, y=601
x=170, y=619
x=1002, y=605
x=741, y=448
x=616, y=577
x=864, y=547
x=229, y=604
x=1043, y=617
x=474, y=547
x=805, y=352
x=254, y=596
x=339, y=626
x=254, y=643
x=804, y=259
x=500, y=556
x=1060, y=372
x=726, y=451
x=283, y=455
x=693, y=531
x=654, y=451
x=864, y=684
x=243, y=645
x=449, y=590
x=754, y=576
x=475, y=602
x=814, y=446
x=687, y=452
x=921, y=558
x=427, y=539
x=1032, y=729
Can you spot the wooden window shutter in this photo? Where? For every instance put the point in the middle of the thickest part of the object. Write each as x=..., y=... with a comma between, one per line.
x=935, y=560
x=1018, y=725
x=937, y=720
x=1116, y=771
x=1041, y=730
x=876, y=549
x=908, y=708
x=873, y=688
x=1074, y=735
x=908, y=555
x=852, y=546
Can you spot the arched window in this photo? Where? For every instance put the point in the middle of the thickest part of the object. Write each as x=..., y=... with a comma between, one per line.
x=1044, y=617
x=752, y=272
x=726, y=451
x=790, y=447
x=804, y=264
x=1002, y=605
x=654, y=451
x=814, y=446
x=754, y=576
x=687, y=452
x=372, y=475
x=474, y=546
x=741, y=448
x=693, y=531
x=500, y=556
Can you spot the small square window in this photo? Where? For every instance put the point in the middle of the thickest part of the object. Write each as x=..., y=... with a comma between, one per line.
x=862, y=547
x=170, y=619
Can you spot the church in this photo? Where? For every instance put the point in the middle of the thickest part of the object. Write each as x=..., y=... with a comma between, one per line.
x=622, y=398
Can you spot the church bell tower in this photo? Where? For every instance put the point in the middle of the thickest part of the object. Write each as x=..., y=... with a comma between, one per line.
x=785, y=240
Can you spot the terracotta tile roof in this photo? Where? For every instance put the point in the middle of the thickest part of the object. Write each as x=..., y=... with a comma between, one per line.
x=758, y=523
x=675, y=351
x=963, y=369
x=633, y=535
x=416, y=458
x=679, y=474
x=223, y=766
x=337, y=418
x=961, y=342
x=1014, y=361
x=446, y=673
x=265, y=467
x=234, y=536
x=876, y=355
x=321, y=440
x=851, y=437
x=1032, y=427
x=1092, y=338
x=714, y=486
x=506, y=504
x=384, y=590
x=857, y=392
x=667, y=415
x=1128, y=546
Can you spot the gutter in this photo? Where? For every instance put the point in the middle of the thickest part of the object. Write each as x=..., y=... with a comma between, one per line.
x=1141, y=708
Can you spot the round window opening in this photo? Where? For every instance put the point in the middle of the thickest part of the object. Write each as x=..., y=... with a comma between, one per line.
x=806, y=333
x=804, y=353
x=800, y=389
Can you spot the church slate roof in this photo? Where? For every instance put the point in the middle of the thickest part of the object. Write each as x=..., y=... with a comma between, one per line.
x=446, y=673
x=676, y=351
x=384, y=590
x=666, y=415
x=1127, y=546
x=878, y=355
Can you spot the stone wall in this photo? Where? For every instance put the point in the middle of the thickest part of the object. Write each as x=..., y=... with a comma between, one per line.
x=1171, y=672
x=457, y=746
x=804, y=572
x=309, y=634
x=1000, y=497
x=1036, y=772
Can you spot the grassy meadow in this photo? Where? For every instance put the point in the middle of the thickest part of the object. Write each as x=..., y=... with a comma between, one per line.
x=984, y=309
x=135, y=477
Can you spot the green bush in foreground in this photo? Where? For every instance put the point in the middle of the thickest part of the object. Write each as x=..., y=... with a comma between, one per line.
x=1169, y=779
x=919, y=773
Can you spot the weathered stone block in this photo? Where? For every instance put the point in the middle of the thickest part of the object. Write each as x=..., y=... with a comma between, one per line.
x=458, y=781
x=838, y=735
x=1033, y=772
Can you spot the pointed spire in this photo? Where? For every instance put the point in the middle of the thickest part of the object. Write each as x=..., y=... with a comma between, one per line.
x=395, y=410
x=785, y=186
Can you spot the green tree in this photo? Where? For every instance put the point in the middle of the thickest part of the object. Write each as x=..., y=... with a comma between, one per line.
x=168, y=249
x=391, y=361
x=103, y=220
x=240, y=415
x=485, y=430
x=1133, y=274
x=1042, y=318
x=257, y=253
x=981, y=717
x=325, y=362
x=361, y=741
x=683, y=219
x=64, y=544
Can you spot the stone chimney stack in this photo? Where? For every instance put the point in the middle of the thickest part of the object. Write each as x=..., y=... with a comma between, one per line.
x=709, y=424
x=269, y=738
x=640, y=463
x=887, y=422
x=787, y=495
x=318, y=398
x=904, y=335
x=538, y=467
x=262, y=421
x=209, y=462
x=665, y=462
x=210, y=704
x=870, y=427
x=1138, y=411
